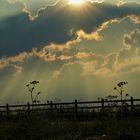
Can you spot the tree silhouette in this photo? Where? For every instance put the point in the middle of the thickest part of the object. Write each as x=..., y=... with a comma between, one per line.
x=31, y=88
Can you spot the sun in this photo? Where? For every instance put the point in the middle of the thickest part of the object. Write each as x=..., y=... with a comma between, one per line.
x=76, y=2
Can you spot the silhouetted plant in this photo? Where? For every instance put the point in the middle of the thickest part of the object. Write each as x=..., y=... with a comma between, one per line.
x=31, y=88
x=120, y=89
x=126, y=95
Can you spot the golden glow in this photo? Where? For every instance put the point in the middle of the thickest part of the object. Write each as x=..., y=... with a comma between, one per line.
x=76, y=2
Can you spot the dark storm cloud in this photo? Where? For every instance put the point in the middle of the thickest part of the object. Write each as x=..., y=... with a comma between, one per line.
x=18, y=34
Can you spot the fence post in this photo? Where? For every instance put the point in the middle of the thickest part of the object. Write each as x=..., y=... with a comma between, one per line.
x=132, y=104
x=28, y=107
x=102, y=101
x=7, y=110
x=51, y=106
x=76, y=108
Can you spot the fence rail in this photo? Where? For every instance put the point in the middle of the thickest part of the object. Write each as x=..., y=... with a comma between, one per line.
x=73, y=107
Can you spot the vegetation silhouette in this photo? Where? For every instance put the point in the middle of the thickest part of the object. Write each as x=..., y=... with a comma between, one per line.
x=120, y=90
x=31, y=88
x=62, y=125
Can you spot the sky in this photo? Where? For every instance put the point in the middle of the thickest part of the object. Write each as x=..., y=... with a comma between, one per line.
x=75, y=50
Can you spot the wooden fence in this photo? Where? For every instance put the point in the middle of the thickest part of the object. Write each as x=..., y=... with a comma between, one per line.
x=73, y=108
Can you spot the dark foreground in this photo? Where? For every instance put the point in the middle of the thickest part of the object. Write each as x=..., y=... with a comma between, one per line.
x=100, y=128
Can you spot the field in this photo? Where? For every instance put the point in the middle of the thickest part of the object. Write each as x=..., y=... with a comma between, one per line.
x=93, y=120
x=101, y=128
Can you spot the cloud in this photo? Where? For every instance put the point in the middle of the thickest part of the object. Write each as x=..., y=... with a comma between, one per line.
x=132, y=39
x=135, y=19
x=70, y=52
x=54, y=27
x=129, y=1
x=92, y=36
x=64, y=57
x=88, y=67
x=106, y=72
x=64, y=68
x=19, y=58
x=58, y=72
x=81, y=55
x=15, y=61
x=128, y=57
x=95, y=1
x=3, y=63
x=71, y=55
x=18, y=69
x=33, y=7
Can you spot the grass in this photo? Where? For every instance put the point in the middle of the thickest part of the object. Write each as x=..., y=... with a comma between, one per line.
x=101, y=128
